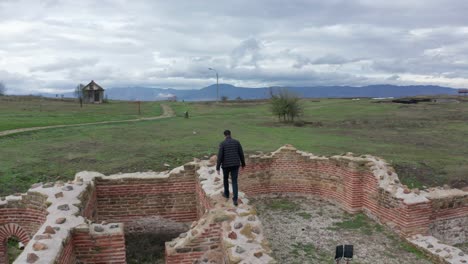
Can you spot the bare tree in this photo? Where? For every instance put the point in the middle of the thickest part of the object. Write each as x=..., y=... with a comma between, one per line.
x=2, y=89
x=79, y=91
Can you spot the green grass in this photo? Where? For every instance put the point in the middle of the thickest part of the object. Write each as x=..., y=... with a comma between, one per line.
x=305, y=215
x=412, y=249
x=425, y=142
x=366, y=226
x=12, y=249
x=282, y=204
x=309, y=253
x=23, y=112
x=358, y=222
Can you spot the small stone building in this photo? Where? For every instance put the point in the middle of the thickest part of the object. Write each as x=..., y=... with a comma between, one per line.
x=93, y=93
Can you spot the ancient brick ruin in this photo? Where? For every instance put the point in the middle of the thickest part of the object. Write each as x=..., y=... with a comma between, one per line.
x=85, y=220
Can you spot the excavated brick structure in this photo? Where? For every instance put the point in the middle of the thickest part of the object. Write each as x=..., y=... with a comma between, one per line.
x=20, y=217
x=367, y=184
x=85, y=220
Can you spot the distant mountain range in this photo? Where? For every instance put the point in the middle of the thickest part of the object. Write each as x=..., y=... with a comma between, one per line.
x=232, y=92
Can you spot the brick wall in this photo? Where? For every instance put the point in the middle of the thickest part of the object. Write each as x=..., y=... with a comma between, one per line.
x=89, y=200
x=290, y=172
x=88, y=210
x=7, y=231
x=92, y=247
x=196, y=246
x=450, y=219
x=126, y=200
x=21, y=219
x=203, y=202
x=67, y=255
x=29, y=212
x=350, y=183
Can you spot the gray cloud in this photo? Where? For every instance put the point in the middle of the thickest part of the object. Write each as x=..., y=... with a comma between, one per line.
x=246, y=54
x=394, y=77
x=54, y=44
x=66, y=64
x=334, y=59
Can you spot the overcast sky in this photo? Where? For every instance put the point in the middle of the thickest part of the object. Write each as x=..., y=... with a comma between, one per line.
x=52, y=45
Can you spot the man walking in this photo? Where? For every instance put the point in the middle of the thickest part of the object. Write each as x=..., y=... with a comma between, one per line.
x=230, y=157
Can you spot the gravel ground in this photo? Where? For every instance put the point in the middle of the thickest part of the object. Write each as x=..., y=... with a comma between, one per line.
x=307, y=230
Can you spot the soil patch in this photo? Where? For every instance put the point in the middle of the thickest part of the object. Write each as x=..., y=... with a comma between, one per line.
x=146, y=248
x=145, y=239
x=307, y=230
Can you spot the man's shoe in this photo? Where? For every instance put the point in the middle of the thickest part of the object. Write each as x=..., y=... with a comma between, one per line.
x=227, y=197
x=235, y=203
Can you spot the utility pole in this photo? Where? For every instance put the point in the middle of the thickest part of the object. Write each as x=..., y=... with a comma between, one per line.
x=217, y=84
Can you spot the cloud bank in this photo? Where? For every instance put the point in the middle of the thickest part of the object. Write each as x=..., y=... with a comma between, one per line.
x=52, y=45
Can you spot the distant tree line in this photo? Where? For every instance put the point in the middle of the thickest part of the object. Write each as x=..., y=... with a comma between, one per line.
x=224, y=98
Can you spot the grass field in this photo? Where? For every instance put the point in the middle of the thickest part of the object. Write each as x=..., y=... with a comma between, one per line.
x=427, y=142
x=31, y=111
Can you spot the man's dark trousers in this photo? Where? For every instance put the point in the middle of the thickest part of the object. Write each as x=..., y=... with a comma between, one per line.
x=234, y=173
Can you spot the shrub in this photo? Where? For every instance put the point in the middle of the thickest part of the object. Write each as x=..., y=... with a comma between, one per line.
x=286, y=105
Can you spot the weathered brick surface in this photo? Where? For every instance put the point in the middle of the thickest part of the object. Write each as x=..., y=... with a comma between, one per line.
x=7, y=231
x=129, y=199
x=21, y=219
x=89, y=200
x=449, y=219
x=209, y=239
x=203, y=202
x=90, y=247
x=67, y=255
x=29, y=212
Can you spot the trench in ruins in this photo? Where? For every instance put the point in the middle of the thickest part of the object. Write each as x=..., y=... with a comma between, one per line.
x=145, y=239
x=306, y=229
x=153, y=211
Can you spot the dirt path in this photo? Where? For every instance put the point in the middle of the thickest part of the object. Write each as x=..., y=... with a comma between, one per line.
x=167, y=112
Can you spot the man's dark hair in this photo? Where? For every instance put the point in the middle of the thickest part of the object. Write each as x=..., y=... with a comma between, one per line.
x=227, y=132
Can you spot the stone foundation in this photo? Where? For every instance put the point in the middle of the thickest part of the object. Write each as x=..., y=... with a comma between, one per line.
x=86, y=220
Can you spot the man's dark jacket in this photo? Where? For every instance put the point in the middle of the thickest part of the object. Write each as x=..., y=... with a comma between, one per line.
x=230, y=154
